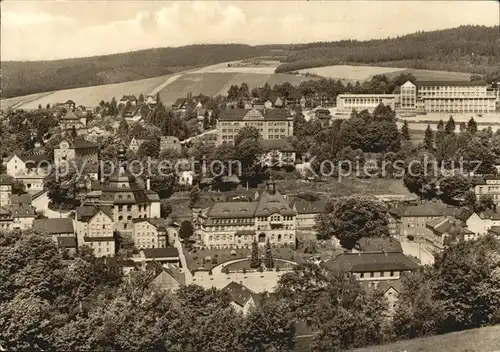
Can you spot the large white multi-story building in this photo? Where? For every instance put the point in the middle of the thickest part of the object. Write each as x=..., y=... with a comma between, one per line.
x=348, y=102
x=427, y=96
x=238, y=224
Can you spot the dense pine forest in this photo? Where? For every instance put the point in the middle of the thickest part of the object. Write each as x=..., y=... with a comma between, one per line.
x=464, y=49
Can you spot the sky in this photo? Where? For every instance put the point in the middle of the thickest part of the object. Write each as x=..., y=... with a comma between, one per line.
x=48, y=30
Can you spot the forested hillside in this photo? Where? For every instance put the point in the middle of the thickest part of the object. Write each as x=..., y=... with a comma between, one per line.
x=22, y=78
x=463, y=49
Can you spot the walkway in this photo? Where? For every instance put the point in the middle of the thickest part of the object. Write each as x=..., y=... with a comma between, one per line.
x=164, y=84
x=182, y=257
x=41, y=203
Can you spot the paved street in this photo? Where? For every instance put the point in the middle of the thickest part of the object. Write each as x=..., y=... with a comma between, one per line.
x=42, y=204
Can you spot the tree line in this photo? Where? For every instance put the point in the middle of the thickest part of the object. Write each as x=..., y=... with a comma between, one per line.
x=462, y=49
x=92, y=306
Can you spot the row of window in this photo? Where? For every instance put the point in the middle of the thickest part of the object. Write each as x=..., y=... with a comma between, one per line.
x=381, y=274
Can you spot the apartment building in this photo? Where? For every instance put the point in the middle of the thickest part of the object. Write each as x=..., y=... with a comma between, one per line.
x=348, y=102
x=448, y=96
x=488, y=185
x=411, y=221
x=239, y=224
x=271, y=123
x=95, y=228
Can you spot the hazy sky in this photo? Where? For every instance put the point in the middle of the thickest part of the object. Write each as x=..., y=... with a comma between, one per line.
x=46, y=30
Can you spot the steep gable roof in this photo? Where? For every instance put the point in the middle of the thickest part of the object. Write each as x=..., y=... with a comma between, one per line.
x=305, y=207
x=167, y=252
x=379, y=244
x=369, y=262
x=54, y=226
x=238, y=293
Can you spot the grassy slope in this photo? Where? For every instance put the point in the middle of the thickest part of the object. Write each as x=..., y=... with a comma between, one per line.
x=210, y=83
x=23, y=78
x=91, y=96
x=476, y=340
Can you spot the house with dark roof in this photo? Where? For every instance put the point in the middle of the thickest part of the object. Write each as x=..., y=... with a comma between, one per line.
x=372, y=267
x=73, y=119
x=60, y=230
x=236, y=224
x=179, y=104
x=242, y=298
x=481, y=223
x=160, y=255
x=410, y=221
x=271, y=123
x=131, y=99
x=307, y=212
x=150, y=233
x=378, y=244
x=95, y=228
x=488, y=185
x=76, y=148
x=168, y=277
x=277, y=153
x=494, y=231
x=442, y=232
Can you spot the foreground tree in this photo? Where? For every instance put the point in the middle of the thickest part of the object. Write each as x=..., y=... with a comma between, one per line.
x=255, y=258
x=186, y=230
x=454, y=189
x=270, y=327
x=351, y=218
x=268, y=256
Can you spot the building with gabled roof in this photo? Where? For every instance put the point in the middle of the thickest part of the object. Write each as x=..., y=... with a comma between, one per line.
x=61, y=231
x=76, y=148
x=411, y=220
x=271, y=123
x=373, y=267
x=95, y=228
x=307, y=212
x=237, y=224
x=242, y=298
x=160, y=255
x=150, y=233
x=378, y=244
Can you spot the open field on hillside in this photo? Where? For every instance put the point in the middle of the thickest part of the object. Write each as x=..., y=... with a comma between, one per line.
x=17, y=101
x=265, y=67
x=91, y=96
x=356, y=73
x=476, y=340
x=210, y=83
x=430, y=75
x=361, y=73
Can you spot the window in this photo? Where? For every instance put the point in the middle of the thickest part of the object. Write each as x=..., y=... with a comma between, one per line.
x=120, y=218
x=372, y=274
x=392, y=273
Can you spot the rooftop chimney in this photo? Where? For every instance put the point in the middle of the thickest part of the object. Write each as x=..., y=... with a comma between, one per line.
x=148, y=184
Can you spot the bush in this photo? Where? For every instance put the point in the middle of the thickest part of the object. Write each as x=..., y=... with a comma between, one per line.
x=277, y=268
x=210, y=272
x=261, y=269
x=214, y=260
x=244, y=270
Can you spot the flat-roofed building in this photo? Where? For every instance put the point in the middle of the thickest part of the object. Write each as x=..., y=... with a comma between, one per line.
x=447, y=96
x=348, y=102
